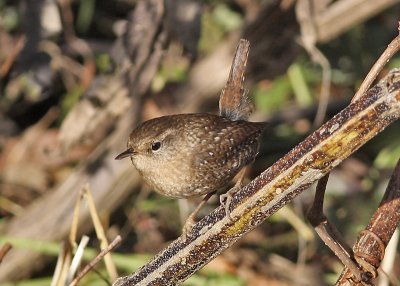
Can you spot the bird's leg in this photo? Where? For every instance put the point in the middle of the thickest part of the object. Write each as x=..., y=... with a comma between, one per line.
x=191, y=220
x=226, y=199
x=328, y=232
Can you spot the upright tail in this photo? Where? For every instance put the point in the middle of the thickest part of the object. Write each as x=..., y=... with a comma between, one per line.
x=233, y=102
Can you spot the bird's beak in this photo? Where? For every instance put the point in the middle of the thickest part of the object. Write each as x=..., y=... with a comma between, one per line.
x=127, y=153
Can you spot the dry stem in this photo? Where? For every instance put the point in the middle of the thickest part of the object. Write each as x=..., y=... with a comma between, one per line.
x=96, y=260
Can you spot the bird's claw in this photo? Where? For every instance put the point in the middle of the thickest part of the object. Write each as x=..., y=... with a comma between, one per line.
x=226, y=200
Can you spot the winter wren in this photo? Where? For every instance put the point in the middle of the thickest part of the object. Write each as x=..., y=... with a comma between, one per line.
x=187, y=155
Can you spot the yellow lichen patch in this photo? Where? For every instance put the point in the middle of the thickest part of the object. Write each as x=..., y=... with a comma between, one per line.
x=287, y=180
x=240, y=224
x=335, y=145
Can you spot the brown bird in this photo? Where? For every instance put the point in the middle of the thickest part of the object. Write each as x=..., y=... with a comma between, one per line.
x=189, y=155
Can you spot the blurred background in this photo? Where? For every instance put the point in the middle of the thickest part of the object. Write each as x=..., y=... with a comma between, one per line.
x=77, y=76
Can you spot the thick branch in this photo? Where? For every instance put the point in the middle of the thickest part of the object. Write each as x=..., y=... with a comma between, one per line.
x=309, y=161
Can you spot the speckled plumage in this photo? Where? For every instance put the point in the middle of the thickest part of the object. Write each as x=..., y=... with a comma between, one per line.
x=199, y=153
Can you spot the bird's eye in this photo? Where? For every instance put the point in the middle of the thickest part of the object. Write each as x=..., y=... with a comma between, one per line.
x=155, y=145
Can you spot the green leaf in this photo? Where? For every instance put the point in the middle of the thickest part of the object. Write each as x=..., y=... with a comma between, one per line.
x=299, y=85
x=85, y=15
x=269, y=97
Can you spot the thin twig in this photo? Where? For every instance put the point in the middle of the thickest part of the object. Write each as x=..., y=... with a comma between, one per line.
x=4, y=250
x=6, y=66
x=325, y=87
x=327, y=231
x=101, y=235
x=390, y=51
x=96, y=260
x=76, y=261
x=62, y=265
x=306, y=19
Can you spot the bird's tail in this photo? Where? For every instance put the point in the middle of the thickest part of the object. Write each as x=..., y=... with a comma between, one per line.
x=234, y=103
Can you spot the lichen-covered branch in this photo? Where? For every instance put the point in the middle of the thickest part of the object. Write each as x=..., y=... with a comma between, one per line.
x=309, y=161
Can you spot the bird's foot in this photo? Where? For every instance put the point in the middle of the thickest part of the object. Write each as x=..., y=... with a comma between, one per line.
x=226, y=200
x=191, y=220
x=188, y=226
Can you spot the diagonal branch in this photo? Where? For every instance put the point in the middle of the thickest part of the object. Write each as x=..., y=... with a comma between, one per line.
x=309, y=161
